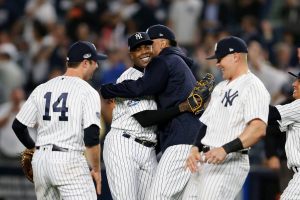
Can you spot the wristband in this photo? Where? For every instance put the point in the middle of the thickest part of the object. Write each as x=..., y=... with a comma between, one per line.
x=233, y=146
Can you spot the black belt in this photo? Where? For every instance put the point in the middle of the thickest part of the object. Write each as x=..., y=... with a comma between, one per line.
x=146, y=143
x=207, y=148
x=295, y=169
x=54, y=148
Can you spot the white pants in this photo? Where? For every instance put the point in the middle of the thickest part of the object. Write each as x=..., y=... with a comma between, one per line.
x=130, y=166
x=62, y=175
x=171, y=177
x=293, y=189
x=220, y=181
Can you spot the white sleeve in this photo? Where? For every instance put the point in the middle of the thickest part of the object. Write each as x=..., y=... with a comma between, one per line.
x=28, y=113
x=91, y=109
x=290, y=113
x=256, y=100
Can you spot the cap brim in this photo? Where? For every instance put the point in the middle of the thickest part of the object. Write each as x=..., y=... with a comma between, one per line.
x=101, y=56
x=293, y=74
x=145, y=42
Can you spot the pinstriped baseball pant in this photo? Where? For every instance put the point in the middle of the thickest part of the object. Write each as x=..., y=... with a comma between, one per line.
x=171, y=177
x=130, y=166
x=221, y=181
x=62, y=175
x=293, y=189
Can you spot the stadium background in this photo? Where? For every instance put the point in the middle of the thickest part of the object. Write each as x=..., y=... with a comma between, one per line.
x=35, y=35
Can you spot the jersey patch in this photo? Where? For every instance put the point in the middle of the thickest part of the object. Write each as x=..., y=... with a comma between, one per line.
x=228, y=97
x=98, y=115
x=133, y=102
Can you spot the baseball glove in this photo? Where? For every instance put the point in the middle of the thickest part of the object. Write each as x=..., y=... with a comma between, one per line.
x=26, y=157
x=201, y=93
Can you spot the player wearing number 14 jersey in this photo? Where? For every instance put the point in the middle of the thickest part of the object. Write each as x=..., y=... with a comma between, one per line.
x=66, y=111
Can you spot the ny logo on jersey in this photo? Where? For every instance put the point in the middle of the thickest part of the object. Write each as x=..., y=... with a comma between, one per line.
x=228, y=98
x=138, y=36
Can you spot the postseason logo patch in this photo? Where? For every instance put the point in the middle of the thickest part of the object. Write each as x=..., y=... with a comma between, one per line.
x=98, y=115
x=133, y=102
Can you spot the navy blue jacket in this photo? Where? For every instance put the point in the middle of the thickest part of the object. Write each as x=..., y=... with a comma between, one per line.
x=168, y=77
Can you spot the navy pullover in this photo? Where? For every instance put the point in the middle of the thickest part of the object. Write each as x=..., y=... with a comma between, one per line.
x=168, y=77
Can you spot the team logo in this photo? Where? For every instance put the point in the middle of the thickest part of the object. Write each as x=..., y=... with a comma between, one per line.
x=231, y=49
x=161, y=35
x=87, y=55
x=138, y=36
x=228, y=97
x=133, y=102
x=98, y=115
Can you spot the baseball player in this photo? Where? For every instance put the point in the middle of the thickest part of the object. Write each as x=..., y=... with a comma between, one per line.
x=235, y=119
x=129, y=153
x=66, y=111
x=287, y=117
x=168, y=77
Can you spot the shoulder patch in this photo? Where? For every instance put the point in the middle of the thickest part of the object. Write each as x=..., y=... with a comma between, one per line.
x=98, y=115
x=133, y=102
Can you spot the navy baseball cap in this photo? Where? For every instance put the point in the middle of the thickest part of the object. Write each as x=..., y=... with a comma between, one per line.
x=138, y=39
x=161, y=31
x=227, y=46
x=297, y=76
x=84, y=50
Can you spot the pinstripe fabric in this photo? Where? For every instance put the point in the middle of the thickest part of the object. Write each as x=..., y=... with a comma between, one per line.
x=226, y=122
x=232, y=106
x=83, y=103
x=171, y=176
x=223, y=181
x=292, y=192
x=130, y=166
x=61, y=108
x=290, y=122
x=125, y=108
x=62, y=175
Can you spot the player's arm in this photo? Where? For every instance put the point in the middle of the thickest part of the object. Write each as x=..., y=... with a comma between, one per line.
x=253, y=132
x=22, y=134
x=107, y=106
x=153, y=82
x=154, y=117
x=274, y=115
x=91, y=141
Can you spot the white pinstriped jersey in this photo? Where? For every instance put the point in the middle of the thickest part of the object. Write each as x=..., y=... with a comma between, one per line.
x=290, y=122
x=125, y=108
x=61, y=108
x=234, y=104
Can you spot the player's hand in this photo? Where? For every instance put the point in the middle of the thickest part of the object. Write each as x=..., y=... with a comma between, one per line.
x=97, y=178
x=273, y=163
x=193, y=159
x=215, y=156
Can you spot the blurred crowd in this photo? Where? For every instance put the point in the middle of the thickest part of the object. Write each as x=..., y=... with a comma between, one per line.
x=35, y=36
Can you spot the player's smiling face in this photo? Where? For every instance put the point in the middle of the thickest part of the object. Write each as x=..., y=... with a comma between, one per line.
x=296, y=86
x=141, y=55
x=226, y=66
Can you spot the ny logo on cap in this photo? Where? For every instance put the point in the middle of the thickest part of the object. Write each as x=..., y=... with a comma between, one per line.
x=138, y=36
x=87, y=55
x=230, y=49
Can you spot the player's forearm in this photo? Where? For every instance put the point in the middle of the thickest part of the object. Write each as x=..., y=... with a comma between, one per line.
x=93, y=157
x=253, y=133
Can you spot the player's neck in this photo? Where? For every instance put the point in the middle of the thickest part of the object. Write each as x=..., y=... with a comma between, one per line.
x=74, y=73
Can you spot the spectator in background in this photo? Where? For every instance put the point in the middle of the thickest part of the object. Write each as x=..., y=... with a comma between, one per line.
x=272, y=78
x=184, y=20
x=11, y=74
x=10, y=146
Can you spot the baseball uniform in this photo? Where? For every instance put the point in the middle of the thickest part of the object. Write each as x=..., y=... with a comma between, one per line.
x=130, y=165
x=61, y=108
x=290, y=123
x=233, y=104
